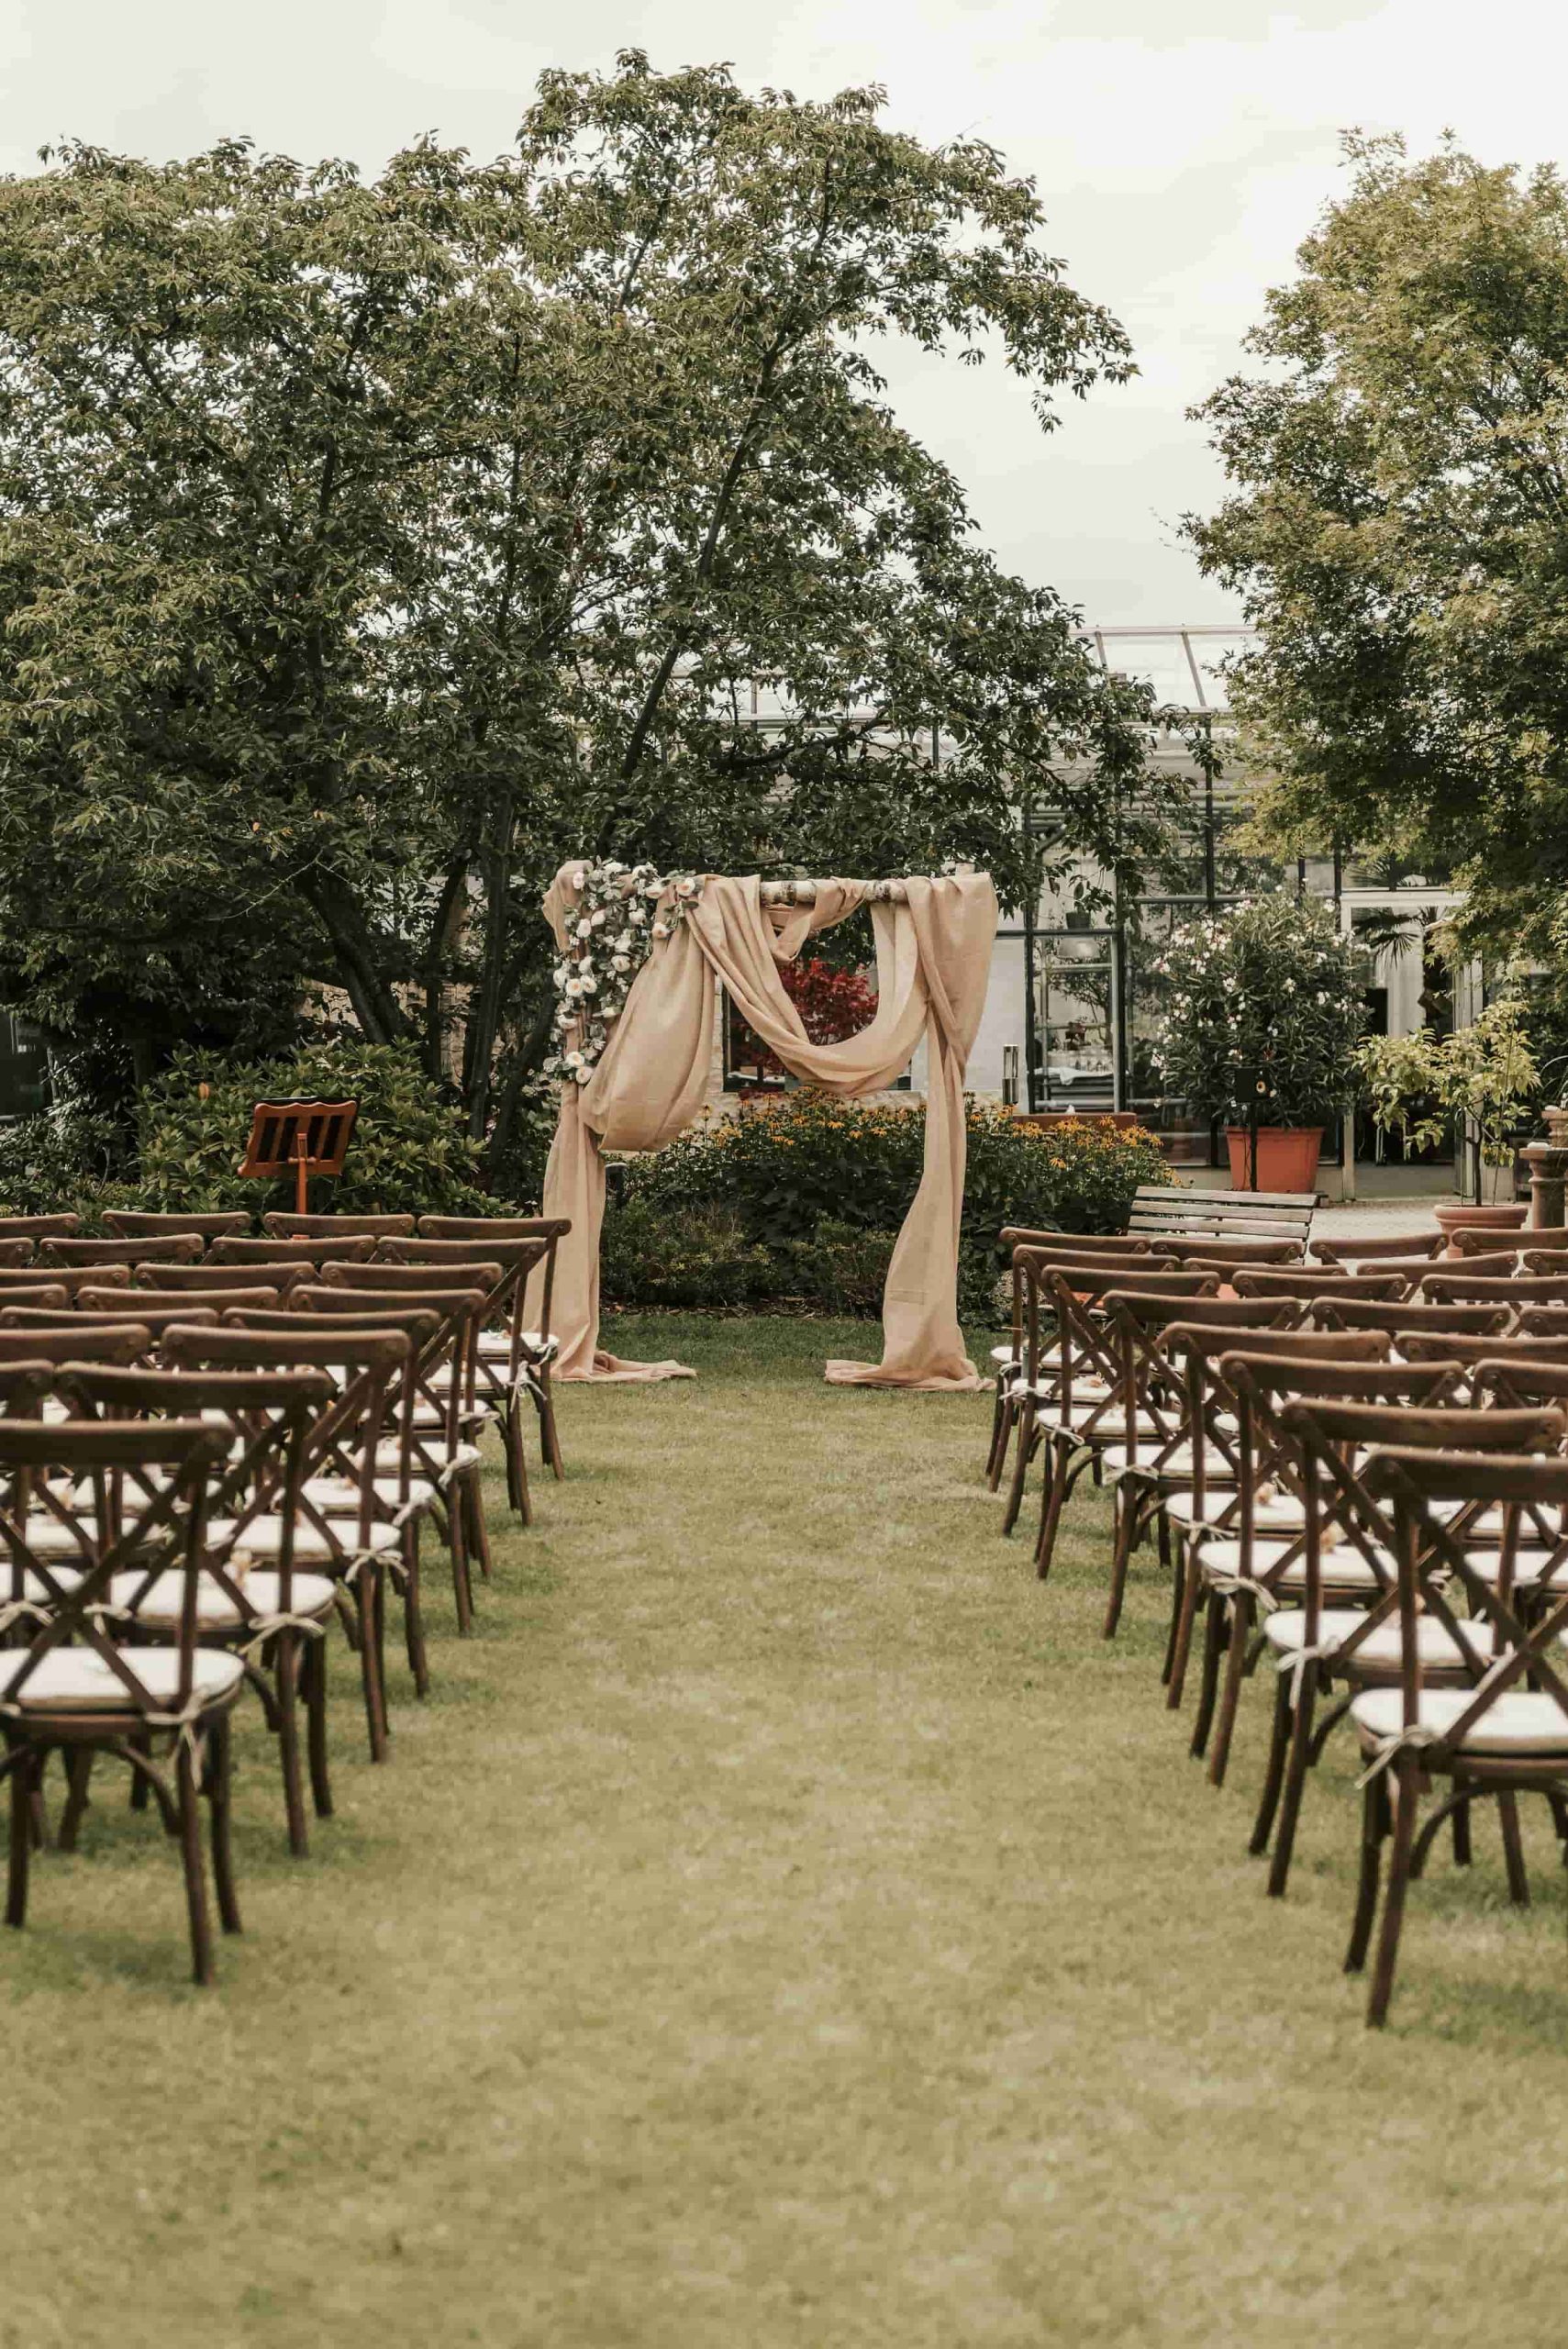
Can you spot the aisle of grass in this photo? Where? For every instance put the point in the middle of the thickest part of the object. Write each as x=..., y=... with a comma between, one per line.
x=786, y=1925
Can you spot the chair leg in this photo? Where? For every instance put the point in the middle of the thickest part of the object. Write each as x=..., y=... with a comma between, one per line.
x=369, y=1659
x=1375, y=1827
x=1003, y=1416
x=1513, y=1849
x=1124, y=1519
x=1274, y=1770
x=1178, y=1593
x=78, y=1773
x=285, y=1681
x=1191, y=1593
x=220, y=1784
x=1231, y=1695
x=1052, y=1499
x=462, y=1584
x=472, y=1504
x=517, y=1493
x=414, y=1610
x=23, y=1770
x=1298, y=1761
x=1023, y=1453
x=1462, y=1833
x=196, y=1871
x=1208, y=1687
x=1405, y=1801
x=316, y=1726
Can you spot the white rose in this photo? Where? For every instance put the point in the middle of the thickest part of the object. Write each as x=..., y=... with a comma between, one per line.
x=573, y=986
x=597, y=921
x=637, y=916
x=620, y=961
x=587, y=984
x=661, y=929
x=584, y=1075
x=584, y=929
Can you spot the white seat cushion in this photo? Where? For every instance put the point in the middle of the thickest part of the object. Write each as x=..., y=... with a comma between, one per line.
x=1379, y=1652
x=1520, y=1721
x=339, y=1497
x=1174, y=1462
x=77, y=1680
x=1281, y=1515
x=1343, y=1567
x=497, y=1343
x=263, y=1537
x=311, y=1594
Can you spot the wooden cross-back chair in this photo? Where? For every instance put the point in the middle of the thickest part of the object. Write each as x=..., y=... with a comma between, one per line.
x=148, y=1223
x=1512, y=1289
x=1045, y=1248
x=75, y=1689
x=1494, y=1240
x=1334, y=1440
x=344, y=1527
x=208, y=1277
x=1071, y=1305
x=149, y=1323
x=175, y=1301
x=521, y=1363
x=173, y=1248
x=532, y=1348
x=273, y=1616
x=1210, y=1510
x=1215, y=1250
x=1193, y=1454
x=1503, y=1731
x=1411, y=1317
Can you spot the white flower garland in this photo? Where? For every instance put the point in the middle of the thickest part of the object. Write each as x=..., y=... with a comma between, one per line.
x=618, y=918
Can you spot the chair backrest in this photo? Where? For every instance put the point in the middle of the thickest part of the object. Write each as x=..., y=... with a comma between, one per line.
x=149, y=1223
x=52, y=1295
x=1553, y=1237
x=1306, y=1282
x=356, y=1248
x=1334, y=1310
x=68, y=1277
x=1369, y=1247
x=133, y=1316
x=208, y=1277
x=39, y=1227
x=1181, y=1211
x=16, y=1253
x=1483, y=1239
x=282, y=1225
x=1539, y=1260
x=175, y=1248
x=1519, y=1382
x=1521, y=1289
x=1071, y=1243
x=1209, y=1250
x=1452, y=1346
x=141, y=1302
x=69, y=1340
x=490, y=1227
x=126, y=1520
x=396, y=1277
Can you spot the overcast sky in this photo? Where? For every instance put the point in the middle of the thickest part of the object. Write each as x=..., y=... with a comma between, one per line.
x=1181, y=149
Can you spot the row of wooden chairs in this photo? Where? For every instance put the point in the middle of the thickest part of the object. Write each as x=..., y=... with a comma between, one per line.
x=1369, y=1490
x=198, y=1481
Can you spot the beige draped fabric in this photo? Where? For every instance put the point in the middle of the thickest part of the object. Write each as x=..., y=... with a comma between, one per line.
x=933, y=958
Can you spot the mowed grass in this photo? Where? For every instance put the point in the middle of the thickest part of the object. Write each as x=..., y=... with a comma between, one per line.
x=787, y=1924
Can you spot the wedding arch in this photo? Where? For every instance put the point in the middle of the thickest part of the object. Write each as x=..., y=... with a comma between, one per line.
x=638, y=955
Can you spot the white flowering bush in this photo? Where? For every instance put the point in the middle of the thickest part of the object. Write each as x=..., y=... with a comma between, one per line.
x=620, y=914
x=1263, y=1015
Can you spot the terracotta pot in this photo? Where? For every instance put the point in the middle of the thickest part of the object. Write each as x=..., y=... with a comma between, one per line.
x=1287, y=1158
x=1459, y=1217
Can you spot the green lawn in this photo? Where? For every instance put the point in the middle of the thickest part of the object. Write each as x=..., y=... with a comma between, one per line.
x=785, y=1924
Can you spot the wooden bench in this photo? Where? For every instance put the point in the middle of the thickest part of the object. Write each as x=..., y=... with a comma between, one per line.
x=1181, y=1211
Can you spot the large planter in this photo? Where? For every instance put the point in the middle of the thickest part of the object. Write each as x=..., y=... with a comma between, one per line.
x=1462, y=1218
x=1287, y=1158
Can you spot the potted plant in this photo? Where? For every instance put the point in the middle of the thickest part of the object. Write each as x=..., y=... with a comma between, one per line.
x=1485, y=1074
x=1262, y=1018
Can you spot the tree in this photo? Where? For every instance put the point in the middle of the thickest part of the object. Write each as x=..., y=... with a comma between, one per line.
x=1398, y=532
x=367, y=549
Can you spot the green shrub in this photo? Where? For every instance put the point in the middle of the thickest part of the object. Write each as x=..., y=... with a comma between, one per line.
x=409, y=1152
x=66, y=1160
x=696, y=1258
x=822, y=1185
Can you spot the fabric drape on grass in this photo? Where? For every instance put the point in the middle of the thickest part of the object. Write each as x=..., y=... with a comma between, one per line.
x=933, y=959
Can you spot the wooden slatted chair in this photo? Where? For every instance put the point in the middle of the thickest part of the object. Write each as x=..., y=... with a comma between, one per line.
x=1505, y=1732
x=1181, y=1211
x=273, y=1617
x=72, y=1687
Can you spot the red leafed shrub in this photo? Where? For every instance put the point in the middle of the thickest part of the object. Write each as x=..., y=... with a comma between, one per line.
x=832, y=1004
